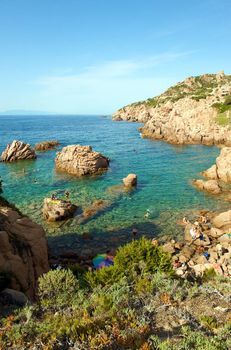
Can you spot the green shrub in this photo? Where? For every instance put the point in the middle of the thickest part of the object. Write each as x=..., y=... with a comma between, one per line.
x=209, y=322
x=209, y=275
x=133, y=259
x=57, y=287
x=227, y=101
x=222, y=119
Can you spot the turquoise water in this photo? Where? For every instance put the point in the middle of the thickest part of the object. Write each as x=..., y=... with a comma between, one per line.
x=164, y=179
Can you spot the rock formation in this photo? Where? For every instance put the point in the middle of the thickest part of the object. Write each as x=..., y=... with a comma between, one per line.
x=197, y=110
x=222, y=169
x=130, y=180
x=17, y=150
x=80, y=160
x=57, y=209
x=211, y=186
x=46, y=145
x=23, y=251
x=211, y=249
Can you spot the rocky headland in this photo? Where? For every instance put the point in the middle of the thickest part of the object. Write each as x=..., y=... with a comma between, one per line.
x=81, y=160
x=17, y=150
x=194, y=111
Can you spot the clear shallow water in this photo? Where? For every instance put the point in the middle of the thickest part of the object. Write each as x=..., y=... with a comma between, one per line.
x=164, y=179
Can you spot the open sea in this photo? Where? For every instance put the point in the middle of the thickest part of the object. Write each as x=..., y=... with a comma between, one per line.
x=164, y=190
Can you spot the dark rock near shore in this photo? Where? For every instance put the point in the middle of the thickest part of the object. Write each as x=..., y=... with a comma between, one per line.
x=23, y=251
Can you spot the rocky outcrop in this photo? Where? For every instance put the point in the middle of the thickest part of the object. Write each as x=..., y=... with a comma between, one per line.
x=195, y=111
x=18, y=150
x=57, y=209
x=80, y=160
x=23, y=251
x=136, y=112
x=222, y=169
x=206, y=246
x=130, y=180
x=211, y=186
x=46, y=145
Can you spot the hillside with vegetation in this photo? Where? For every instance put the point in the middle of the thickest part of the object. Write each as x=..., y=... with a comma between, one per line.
x=196, y=110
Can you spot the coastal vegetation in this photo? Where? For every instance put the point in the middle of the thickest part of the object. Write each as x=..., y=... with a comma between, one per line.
x=145, y=307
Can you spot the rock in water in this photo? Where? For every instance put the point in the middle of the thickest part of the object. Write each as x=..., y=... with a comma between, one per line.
x=211, y=186
x=23, y=251
x=17, y=150
x=130, y=180
x=80, y=160
x=57, y=209
x=46, y=145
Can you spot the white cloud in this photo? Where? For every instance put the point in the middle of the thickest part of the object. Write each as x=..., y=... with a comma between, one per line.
x=105, y=86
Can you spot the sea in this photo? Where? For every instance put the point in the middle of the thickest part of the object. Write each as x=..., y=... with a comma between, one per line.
x=164, y=193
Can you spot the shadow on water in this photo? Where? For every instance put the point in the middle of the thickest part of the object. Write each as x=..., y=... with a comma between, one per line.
x=90, y=244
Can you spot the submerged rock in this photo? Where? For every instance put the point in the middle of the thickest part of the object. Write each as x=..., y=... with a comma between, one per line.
x=46, y=145
x=80, y=160
x=130, y=180
x=57, y=209
x=18, y=150
x=23, y=251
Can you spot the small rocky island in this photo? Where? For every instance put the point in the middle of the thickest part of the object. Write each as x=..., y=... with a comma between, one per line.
x=18, y=150
x=194, y=111
x=46, y=145
x=81, y=160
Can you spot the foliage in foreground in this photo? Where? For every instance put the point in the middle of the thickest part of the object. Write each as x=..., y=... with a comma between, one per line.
x=128, y=313
x=137, y=257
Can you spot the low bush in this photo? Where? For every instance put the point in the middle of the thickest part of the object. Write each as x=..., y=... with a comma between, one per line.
x=133, y=259
x=56, y=288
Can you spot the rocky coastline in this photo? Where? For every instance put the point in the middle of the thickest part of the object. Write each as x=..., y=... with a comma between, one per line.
x=195, y=111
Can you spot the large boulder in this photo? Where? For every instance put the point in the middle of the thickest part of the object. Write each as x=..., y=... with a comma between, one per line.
x=222, y=220
x=57, y=209
x=80, y=160
x=222, y=169
x=46, y=145
x=17, y=150
x=223, y=164
x=23, y=251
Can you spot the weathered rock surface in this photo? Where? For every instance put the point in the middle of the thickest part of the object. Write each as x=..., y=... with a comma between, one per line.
x=222, y=169
x=46, y=145
x=57, y=209
x=130, y=180
x=186, y=113
x=80, y=160
x=18, y=150
x=211, y=186
x=23, y=251
x=223, y=220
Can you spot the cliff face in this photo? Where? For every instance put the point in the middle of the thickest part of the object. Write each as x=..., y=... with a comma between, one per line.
x=197, y=110
x=23, y=251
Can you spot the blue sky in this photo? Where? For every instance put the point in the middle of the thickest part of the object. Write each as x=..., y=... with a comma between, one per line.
x=94, y=56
